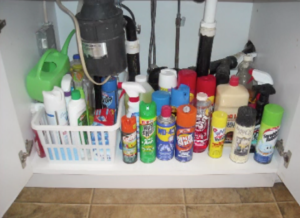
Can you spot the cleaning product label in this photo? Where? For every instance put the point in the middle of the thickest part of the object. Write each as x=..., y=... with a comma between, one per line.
x=202, y=130
x=217, y=142
x=129, y=147
x=230, y=128
x=255, y=135
x=60, y=118
x=267, y=138
x=109, y=100
x=148, y=142
x=184, y=143
x=165, y=141
x=164, y=89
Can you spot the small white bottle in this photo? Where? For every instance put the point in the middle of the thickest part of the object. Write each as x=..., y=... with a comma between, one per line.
x=77, y=116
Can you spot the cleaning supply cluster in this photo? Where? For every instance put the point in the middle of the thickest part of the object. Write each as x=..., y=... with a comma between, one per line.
x=187, y=115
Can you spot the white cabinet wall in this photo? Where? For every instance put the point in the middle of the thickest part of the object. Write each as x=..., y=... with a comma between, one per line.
x=273, y=26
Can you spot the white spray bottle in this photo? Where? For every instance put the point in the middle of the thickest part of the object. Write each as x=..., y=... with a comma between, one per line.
x=261, y=77
x=133, y=89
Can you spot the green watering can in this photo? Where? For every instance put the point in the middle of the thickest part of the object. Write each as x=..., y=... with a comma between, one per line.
x=49, y=71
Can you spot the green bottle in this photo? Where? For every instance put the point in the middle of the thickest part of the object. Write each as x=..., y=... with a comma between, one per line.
x=147, y=132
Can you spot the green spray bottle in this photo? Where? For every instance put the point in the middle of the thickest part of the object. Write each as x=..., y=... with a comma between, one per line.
x=147, y=132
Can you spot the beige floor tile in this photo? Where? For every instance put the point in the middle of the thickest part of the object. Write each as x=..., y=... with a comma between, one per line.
x=137, y=211
x=138, y=196
x=234, y=211
x=289, y=209
x=281, y=193
x=212, y=196
x=255, y=195
x=56, y=195
x=33, y=210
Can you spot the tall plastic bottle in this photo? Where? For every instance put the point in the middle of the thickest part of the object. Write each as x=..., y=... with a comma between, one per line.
x=148, y=132
x=147, y=96
x=110, y=94
x=56, y=112
x=66, y=86
x=243, y=72
x=228, y=99
x=202, y=122
x=78, y=117
x=133, y=89
x=77, y=71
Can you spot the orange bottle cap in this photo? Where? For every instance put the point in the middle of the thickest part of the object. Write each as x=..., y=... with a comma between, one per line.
x=186, y=115
x=128, y=124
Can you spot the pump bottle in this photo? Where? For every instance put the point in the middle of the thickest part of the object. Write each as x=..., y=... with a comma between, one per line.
x=133, y=89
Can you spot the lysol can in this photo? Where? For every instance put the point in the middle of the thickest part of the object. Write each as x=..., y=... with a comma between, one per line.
x=185, y=130
x=165, y=143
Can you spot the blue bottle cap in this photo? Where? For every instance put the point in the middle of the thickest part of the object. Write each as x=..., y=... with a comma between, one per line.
x=76, y=57
x=161, y=98
x=110, y=85
x=180, y=96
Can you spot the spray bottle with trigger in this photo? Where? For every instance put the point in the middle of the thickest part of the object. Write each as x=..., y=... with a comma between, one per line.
x=133, y=89
x=262, y=93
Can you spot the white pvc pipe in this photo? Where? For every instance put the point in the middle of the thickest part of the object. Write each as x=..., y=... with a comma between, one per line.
x=210, y=11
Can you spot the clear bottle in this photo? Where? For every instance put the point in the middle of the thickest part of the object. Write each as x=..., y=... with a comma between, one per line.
x=243, y=72
x=147, y=96
x=202, y=122
x=77, y=72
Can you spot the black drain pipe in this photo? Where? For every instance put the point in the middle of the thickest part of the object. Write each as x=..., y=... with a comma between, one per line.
x=132, y=49
x=207, y=33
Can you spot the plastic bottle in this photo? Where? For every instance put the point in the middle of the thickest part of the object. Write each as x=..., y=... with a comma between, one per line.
x=56, y=112
x=148, y=132
x=207, y=84
x=89, y=95
x=76, y=71
x=167, y=80
x=202, y=122
x=179, y=97
x=161, y=98
x=35, y=107
x=133, y=89
x=185, y=132
x=189, y=78
x=264, y=92
x=165, y=139
x=129, y=146
x=260, y=78
x=268, y=133
x=243, y=133
x=110, y=95
x=77, y=117
x=217, y=134
x=147, y=96
x=228, y=99
x=66, y=86
x=243, y=72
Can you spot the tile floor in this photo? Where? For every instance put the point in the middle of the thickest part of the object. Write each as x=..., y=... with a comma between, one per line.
x=274, y=202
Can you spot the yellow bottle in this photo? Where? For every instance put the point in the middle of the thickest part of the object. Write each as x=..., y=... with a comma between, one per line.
x=217, y=134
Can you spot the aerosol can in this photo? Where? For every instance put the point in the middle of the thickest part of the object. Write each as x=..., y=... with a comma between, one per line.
x=133, y=89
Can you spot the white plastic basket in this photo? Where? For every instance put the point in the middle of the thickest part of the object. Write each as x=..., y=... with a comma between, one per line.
x=100, y=148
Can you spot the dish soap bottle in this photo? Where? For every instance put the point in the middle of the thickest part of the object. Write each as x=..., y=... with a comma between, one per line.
x=229, y=98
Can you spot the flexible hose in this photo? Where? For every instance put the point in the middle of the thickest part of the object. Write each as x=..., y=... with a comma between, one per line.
x=79, y=44
x=129, y=11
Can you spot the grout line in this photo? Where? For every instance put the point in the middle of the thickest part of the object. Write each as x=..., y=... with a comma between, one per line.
x=91, y=200
x=276, y=203
x=89, y=211
x=54, y=203
x=185, y=212
x=138, y=204
x=213, y=204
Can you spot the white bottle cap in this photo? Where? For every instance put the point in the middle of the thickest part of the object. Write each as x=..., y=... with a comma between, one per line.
x=141, y=78
x=167, y=79
x=201, y=96
x=248, y=58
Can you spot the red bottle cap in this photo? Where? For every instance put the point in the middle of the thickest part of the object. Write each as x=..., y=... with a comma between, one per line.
x=187, y=77
x=207, y=84
x=234, y=81
x=166, y=111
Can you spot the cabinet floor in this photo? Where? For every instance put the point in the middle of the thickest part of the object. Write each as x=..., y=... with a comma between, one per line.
x=275, y=202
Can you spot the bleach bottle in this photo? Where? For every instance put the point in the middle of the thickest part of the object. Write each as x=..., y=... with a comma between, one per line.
x=133, y=89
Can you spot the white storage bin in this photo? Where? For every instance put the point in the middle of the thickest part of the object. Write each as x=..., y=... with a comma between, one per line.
x=101, y=146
